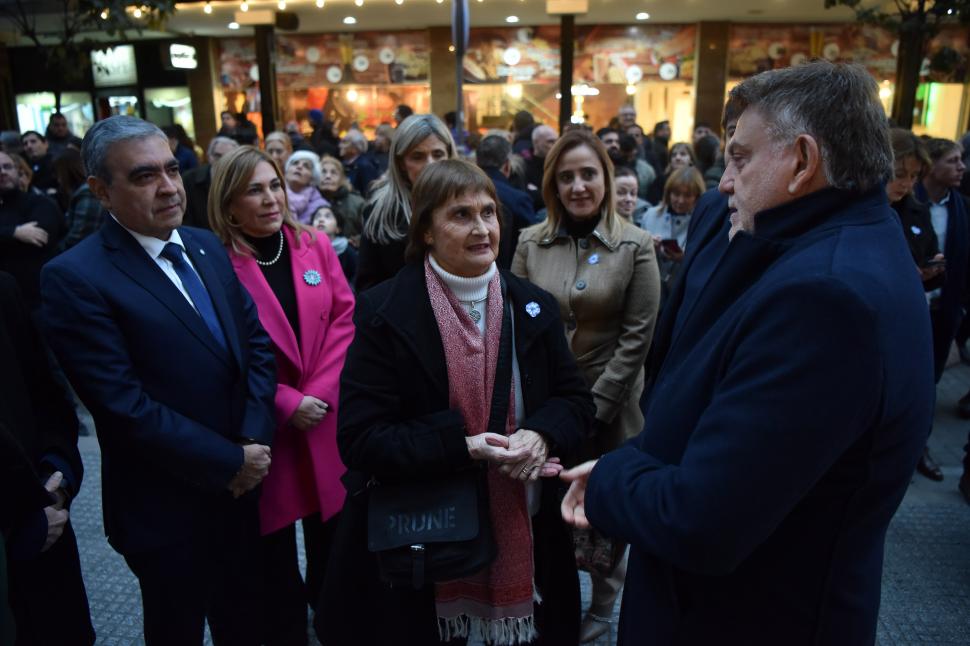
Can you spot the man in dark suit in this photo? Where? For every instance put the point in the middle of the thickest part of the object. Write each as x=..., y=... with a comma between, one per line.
x=164, y=347
x=790, y=389
x=494, y=156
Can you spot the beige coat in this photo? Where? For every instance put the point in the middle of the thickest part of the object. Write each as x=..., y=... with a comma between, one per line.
x=608, y=289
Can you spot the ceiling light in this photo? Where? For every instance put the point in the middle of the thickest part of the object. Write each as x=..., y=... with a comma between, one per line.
x=359, y=3
x=398, y=1
x=643, y=15
x=320, y=4
x=244, y=6
x=439, y=1
x=451, y=48
x=282, y=5
x=631, y=89
x=234, y=25
x=351, y=95
x=104, y=15
x=137, y=12
x=512, y=19
x=207, y=8
x=350, y=20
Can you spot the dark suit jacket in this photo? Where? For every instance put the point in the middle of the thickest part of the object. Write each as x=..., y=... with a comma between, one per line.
x=948, y=309
x=395, y=422
x=786, y=413
x=197, y=181
x=170, y=405
x=517, y=213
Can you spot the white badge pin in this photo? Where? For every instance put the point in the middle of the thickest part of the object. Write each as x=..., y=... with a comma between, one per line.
x=532, y=309
x=916, y=230
x=202, y=251
x=311, y=277
x=595, y=258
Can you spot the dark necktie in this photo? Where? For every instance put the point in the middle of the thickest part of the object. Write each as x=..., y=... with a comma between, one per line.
x=196, y=290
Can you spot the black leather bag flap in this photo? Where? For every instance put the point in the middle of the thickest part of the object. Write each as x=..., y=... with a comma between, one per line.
x=423, y=512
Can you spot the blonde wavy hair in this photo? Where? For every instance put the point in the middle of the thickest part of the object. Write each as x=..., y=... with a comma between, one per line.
x=230, y=177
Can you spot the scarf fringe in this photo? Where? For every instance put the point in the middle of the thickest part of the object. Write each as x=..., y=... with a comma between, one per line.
x=495, y=632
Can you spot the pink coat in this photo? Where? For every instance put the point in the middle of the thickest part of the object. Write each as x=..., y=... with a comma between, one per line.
x=305, y=474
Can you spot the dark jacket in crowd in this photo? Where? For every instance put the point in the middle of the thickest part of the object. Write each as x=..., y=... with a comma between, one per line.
x=57, y=145
x=361, y=172
x=197, y=182
x=946, y=311
x=395, y=421
x=517, y=213
x=44, y=178
x=84, y=216
x=378, y=262
x=533, y=178
x=20, y=259
x=186, y=158
x=917, y=223
x=38, y=436
x=783, y=424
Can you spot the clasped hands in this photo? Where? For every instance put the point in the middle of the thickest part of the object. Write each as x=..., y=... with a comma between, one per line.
x=256, y=461
x=523, y=455
x=309, y=413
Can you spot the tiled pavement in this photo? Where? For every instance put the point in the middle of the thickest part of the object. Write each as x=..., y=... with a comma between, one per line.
x=926, y=580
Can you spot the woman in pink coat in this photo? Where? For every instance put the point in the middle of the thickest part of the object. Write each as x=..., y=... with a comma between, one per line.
x=306, y=306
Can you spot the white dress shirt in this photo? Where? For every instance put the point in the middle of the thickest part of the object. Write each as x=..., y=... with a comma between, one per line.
x=153, y=247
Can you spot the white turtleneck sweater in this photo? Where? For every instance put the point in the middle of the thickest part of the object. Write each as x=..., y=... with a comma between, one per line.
x=475, y=290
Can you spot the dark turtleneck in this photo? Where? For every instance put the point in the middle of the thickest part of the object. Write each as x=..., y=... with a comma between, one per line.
x=579, y=229
x=279, y=275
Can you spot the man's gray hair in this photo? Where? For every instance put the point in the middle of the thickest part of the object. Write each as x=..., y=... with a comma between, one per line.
x=106, y=133
x=357, y=140
x=493, y=152
x=838, y=105
x=538, y=130
x=220, y=140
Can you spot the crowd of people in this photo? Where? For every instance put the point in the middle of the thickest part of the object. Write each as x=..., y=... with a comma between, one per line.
x=471, y=370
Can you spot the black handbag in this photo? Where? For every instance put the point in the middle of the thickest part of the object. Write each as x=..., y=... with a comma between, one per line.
x=439, y=529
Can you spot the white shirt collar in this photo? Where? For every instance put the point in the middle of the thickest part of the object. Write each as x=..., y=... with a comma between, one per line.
x=944, y=201
x=152, y=246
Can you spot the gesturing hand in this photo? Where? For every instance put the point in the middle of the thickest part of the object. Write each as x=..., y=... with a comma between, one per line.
x=56, y=518
x=256, y=461
x=30, y=233
x=573, y=506
x=309, y=413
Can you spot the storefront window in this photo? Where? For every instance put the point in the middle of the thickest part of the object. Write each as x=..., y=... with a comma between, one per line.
x=34, y=111
x=938, y=107
x=166, y=106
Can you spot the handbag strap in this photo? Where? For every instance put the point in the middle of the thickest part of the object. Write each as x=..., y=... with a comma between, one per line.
x=503, y=369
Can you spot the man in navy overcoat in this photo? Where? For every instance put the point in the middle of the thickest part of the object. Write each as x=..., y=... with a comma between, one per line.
x=791, y=389
x=165, y=348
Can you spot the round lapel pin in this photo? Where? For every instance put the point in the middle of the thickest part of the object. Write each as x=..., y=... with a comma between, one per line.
x=532, y=309
x=595, y=258
x=311, y=277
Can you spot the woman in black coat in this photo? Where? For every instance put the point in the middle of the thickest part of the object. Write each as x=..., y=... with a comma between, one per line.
x=398, y=420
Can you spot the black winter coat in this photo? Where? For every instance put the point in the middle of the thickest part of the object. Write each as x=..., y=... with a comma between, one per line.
x=395, y=422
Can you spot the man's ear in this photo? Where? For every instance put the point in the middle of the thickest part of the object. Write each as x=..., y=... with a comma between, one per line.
x=100, y=190
x=808, y=173
x=506, y=168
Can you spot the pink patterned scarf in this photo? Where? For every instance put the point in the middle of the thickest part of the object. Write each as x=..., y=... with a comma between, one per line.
x=496, y=604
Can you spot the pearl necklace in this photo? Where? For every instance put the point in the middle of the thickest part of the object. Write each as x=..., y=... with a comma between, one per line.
x=279, y=252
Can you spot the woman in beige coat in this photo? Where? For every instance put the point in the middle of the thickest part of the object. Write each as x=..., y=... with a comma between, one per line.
x=603, y=272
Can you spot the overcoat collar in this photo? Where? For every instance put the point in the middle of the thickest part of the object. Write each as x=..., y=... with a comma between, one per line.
x=129, y=257
x=609, y=236
x=407, y=310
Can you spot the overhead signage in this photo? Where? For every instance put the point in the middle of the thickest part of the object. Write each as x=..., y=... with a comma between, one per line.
x=115, y=66
x=182, y=57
